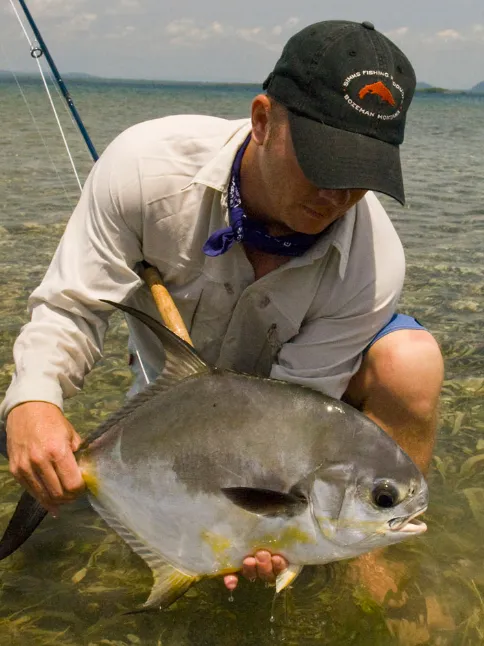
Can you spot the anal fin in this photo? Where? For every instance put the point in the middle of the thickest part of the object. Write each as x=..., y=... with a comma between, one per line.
x=286, y=577
x=170, y=583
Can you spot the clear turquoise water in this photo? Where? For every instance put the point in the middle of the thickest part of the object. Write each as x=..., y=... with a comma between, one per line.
x=74, y=578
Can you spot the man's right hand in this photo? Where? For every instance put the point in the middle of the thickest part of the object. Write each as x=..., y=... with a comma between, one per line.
x=41, y=444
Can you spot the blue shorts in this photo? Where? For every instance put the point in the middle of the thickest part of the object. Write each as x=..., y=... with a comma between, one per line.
x=397, y=322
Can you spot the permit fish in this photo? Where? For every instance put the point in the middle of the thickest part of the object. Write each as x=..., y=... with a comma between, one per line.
x=207, y=466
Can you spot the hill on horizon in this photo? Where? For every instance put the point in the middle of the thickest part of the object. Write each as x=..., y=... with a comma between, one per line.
x=82, y=76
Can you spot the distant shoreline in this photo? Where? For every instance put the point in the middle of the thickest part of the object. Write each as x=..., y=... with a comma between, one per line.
x=87, y=79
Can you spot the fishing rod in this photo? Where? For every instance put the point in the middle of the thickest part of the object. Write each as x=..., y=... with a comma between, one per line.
x=150, y=275
x=42, y=50
x=19, y=529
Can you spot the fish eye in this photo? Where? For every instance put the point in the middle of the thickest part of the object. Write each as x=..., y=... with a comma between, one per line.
x=385, y=495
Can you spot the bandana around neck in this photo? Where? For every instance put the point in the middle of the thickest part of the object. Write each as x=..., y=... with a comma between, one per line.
x=249, y=231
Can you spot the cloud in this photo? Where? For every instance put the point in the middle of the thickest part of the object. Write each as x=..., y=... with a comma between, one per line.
x=81, y=22
x=186, y=32
x=119, y=34
x=449, y=34
x=123, y=8
x=396, y=34
x=56, y=8
x=452, y=37
x=478, y=32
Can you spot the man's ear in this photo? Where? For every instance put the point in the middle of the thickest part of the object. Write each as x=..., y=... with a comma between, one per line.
x=261, y=109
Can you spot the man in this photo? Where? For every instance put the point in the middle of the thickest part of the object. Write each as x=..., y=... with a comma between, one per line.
x=280, y=259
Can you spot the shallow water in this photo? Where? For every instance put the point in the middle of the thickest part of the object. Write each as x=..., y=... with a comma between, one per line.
x=73, y=580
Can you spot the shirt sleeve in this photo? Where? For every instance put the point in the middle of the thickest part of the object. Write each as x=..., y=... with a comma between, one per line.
x=327, y=351
x=94, y=260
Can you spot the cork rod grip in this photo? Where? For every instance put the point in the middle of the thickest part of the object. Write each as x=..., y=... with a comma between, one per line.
x=164, y=302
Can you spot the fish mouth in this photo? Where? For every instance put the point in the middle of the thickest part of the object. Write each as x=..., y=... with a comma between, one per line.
x=408, y=524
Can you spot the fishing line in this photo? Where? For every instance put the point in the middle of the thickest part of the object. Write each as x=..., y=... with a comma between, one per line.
x=36, y=53
x=142, y=366
x=39, y=131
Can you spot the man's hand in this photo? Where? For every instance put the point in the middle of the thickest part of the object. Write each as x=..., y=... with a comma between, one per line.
x=41, y=444
x=262, y=565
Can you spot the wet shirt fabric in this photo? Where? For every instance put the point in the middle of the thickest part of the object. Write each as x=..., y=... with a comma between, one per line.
x=157, y=193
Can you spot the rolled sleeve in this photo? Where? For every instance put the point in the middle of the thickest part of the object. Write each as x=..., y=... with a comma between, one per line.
x=94, y=260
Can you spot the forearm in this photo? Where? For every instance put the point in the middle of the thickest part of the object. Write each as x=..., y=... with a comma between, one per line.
x=95, y=260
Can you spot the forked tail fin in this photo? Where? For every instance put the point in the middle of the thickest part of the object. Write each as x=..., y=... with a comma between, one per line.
x=27, y=516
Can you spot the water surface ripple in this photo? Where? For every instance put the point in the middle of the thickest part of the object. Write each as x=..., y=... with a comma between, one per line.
x=74, y=578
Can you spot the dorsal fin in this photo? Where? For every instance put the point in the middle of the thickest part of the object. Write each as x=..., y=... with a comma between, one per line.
x=181, y=362
x=187, y=362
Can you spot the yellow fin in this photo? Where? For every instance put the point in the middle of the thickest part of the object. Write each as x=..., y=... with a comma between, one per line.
x=169, y=582
x=287, y=577
x=169, y=585
x=89, y=475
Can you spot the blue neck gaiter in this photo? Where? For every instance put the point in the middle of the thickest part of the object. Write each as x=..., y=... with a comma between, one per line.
x=252, y=232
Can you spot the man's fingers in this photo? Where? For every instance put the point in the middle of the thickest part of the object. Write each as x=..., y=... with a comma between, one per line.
x=249, y=568
x=279, y=564
x=76, y=440
x=231, y=581
x=69, y=475
x=264, y=566
x=29, y=481
x=52, y=490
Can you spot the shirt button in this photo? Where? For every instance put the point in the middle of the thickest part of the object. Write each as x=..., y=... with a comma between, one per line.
x=264, y=302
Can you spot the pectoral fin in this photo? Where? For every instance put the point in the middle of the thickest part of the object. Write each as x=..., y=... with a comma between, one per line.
x=266, y=502
x=289, y=575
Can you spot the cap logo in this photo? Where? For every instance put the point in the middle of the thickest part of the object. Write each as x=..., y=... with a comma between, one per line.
x=381, y=90
x=388, y=94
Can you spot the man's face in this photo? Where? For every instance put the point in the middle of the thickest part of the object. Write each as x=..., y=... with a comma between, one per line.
x=293, y=201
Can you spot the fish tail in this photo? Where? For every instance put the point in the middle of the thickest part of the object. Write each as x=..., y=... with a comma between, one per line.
x=3, y=440
x=27, y=516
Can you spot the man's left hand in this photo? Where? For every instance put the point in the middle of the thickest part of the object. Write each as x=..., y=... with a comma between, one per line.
x=263, y=565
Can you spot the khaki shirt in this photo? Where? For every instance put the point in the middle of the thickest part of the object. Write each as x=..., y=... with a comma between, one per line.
x=157, y=193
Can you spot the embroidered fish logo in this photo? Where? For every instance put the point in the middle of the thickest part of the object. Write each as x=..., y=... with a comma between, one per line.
x=381, y=90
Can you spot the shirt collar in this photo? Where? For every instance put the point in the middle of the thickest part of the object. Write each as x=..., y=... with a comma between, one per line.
x=339, y=236
x=217, y=172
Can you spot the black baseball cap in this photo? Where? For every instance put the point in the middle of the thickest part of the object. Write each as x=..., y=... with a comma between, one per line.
x=347, y=89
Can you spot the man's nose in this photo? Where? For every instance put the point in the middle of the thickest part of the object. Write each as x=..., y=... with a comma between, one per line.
x=336, y=196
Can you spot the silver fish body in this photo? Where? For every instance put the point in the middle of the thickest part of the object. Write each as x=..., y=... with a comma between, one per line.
x=207, y=466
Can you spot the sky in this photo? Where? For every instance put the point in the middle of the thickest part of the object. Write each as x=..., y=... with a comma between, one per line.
x=236, y=41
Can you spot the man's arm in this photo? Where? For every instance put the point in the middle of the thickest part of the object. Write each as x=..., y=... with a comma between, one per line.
x=64, y=339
